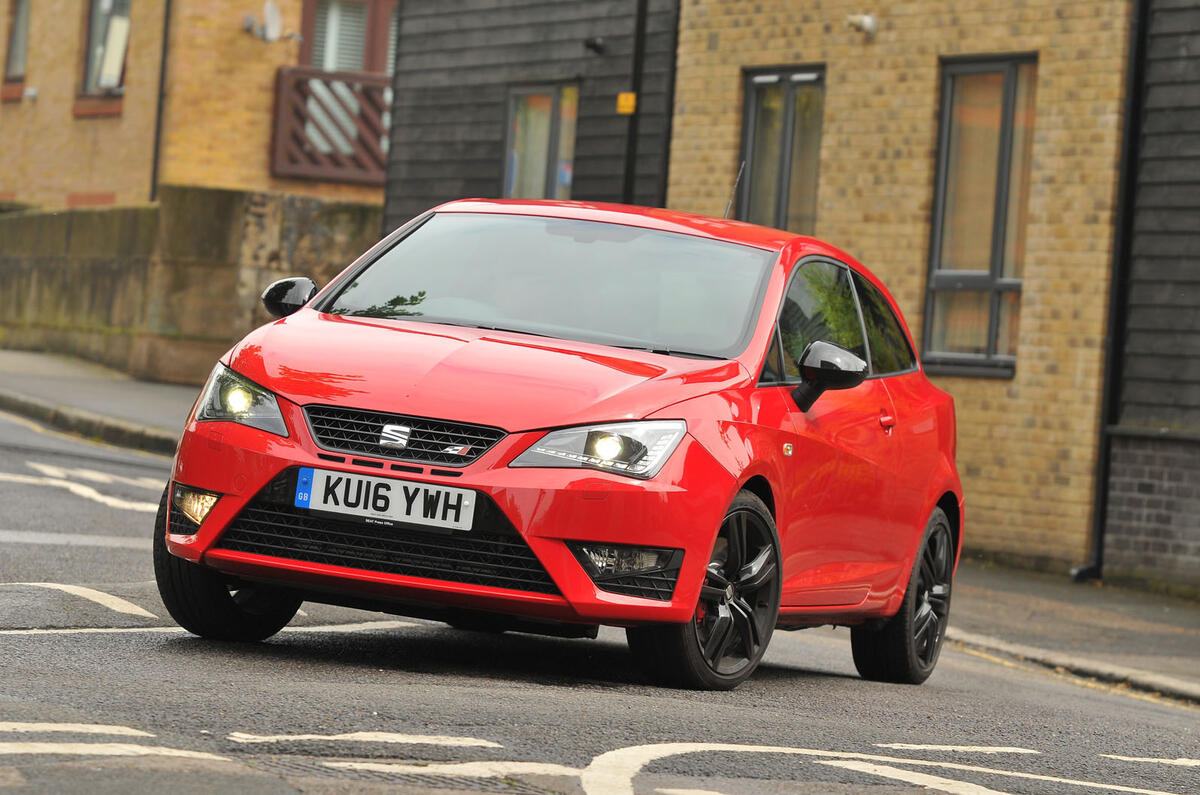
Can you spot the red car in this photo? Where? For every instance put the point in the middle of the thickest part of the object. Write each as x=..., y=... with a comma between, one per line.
x=547, y=416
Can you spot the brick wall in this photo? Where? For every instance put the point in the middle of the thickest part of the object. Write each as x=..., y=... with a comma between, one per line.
x=46, y=153
x=217, y=118
x=1027, y=445
x=1154, y=512
x=221, y=102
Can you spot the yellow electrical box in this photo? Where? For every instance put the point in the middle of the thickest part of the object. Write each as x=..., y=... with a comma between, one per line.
x=626, y=103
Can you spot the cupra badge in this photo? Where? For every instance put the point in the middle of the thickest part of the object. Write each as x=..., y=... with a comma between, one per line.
x=394, y=436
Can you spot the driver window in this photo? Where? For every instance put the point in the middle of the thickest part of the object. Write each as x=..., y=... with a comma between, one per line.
x=819, y=305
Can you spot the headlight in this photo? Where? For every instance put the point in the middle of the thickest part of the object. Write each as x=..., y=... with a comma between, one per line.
x=638, y=449
x=228, y=396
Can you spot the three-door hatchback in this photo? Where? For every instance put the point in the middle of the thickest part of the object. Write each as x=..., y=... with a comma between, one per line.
x=548, y=416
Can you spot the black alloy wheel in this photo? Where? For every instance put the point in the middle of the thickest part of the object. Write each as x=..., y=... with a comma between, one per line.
x=207, y=604
x=906, y=647
x=735, y=615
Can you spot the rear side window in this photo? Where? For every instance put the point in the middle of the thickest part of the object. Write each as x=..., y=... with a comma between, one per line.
x=819, y=305
x=890, y=351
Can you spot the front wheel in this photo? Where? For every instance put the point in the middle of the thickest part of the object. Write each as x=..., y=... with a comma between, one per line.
x=739, y=603
x=205, y=604
x=905, y=649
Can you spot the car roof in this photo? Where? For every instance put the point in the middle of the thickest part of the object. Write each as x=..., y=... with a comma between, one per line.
x=630, y=215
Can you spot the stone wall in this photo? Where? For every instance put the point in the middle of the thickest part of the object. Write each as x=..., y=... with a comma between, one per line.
x=1027, y=445
x=162, y=290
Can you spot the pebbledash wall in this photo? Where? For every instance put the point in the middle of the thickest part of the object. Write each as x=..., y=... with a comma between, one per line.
x=161, y=290
x=62, y=150
x=1027, y=444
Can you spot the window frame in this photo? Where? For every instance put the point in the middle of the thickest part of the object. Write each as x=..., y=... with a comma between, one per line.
x=755, y=77
x=14, y=84
x=554, y=88
x=990, y=364
x=777, y=339
x=375, y=48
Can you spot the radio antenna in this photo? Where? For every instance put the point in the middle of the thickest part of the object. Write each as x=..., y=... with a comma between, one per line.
x=733, y=193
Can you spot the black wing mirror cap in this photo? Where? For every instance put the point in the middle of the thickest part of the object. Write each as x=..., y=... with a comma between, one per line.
x=285, y=296
x=823, y=366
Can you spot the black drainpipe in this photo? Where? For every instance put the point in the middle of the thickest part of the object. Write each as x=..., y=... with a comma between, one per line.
x=628, y=192
x=1110, y=404
x=162, y=94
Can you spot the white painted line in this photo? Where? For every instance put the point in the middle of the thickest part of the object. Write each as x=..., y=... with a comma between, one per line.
x=368, y=737
x=938, y=783
x=1151, y=760
x=612, y=773
x=114, y=603
x=101, y=749
x=362, y=627
x=73, y=728
x=468, y=769
x=966, y=749
x=96, y=476
x=81, y=490
x=75, y=540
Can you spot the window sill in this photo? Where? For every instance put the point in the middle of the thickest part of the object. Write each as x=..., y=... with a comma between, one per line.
x=90, y=107
x=996, y=370
x=12, y=90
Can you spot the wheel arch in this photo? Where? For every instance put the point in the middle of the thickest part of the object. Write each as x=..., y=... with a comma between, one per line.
x=760, y=487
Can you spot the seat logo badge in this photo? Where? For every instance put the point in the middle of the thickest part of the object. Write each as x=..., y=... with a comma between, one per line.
x=395, y=436
x=787, y=449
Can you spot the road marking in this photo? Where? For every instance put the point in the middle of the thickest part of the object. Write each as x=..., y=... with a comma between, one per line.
x=1178, y=762
x=95, y=476
x=948, y=785
x=75, y=540
x=688, y=792
x=369, y=737
x=114, y=603
x=968, y=749
x=612, y=773
x=73, y=728
x=79, y=439
x=362, y=627
x=81, y=490
x=101, y=749
x=467, y=769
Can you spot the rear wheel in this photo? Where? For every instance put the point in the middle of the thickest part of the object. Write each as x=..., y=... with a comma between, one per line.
x=204, y=603
x=905, y=648
x=735, y=616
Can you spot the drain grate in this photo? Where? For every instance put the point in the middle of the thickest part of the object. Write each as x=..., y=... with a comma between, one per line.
x=308, y=767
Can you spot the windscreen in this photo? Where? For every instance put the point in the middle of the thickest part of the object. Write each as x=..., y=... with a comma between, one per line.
x=578, y=280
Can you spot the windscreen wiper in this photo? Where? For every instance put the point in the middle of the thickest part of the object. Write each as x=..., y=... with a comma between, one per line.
x=671, y=352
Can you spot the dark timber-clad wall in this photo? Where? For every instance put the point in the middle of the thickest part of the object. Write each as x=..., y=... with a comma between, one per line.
x=1153, y=527
x=457, y=60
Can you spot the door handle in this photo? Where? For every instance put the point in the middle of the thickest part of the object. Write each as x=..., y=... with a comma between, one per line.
x=886, y=420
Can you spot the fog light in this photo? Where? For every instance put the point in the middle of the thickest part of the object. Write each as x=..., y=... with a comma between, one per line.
x=606, y=560
x=194, y=504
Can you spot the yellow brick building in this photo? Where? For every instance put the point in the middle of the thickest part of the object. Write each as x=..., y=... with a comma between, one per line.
x=82, y=122
x=1028, y=431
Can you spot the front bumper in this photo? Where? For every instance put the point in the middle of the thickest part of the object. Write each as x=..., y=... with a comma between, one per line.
x=681, y=509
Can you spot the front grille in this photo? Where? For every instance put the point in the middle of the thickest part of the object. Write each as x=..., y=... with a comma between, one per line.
x=652, y=585
x=492, y=553
x=428, y=441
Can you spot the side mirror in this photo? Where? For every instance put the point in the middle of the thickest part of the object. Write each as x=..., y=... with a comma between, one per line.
x=823, y=366
x=285, y=296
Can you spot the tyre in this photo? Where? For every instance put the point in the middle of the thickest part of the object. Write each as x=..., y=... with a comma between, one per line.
x=735, y=615
x=204, y=603
x=905, y=648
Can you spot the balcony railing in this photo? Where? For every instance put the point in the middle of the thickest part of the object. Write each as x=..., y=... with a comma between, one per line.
x=331, y=126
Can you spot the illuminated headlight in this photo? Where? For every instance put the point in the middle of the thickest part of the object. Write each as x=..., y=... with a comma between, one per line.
x=193, y=503
x=638, y=449
x=230, y=397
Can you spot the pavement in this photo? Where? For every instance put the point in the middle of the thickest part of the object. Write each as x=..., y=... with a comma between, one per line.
x=1146, y=641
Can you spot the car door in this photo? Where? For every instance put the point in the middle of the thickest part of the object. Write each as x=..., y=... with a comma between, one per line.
x=835, y=506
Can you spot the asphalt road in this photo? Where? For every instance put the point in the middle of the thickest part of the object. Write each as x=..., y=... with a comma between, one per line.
x=99, y=693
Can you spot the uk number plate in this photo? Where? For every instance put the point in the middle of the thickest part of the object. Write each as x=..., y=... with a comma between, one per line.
x=384, y=501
